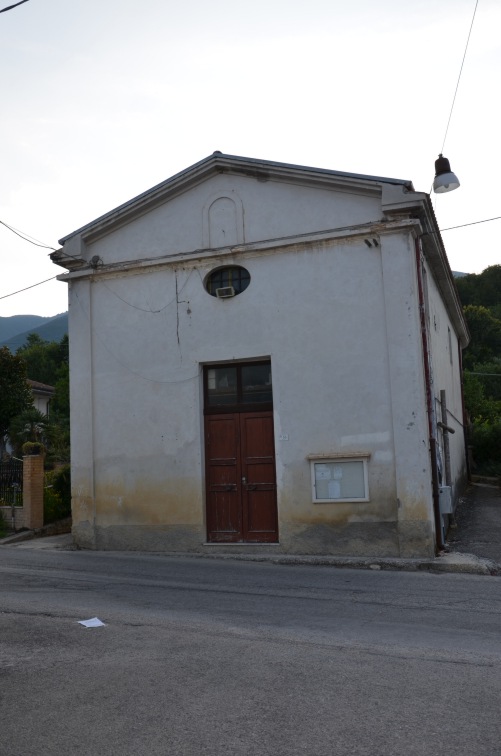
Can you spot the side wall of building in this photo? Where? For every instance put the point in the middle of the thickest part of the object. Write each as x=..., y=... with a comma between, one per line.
x=446, y=374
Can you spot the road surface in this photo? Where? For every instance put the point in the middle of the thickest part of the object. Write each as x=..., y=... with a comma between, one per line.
x=224, y=658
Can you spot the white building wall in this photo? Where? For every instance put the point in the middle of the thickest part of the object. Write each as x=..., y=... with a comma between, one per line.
x=41, y=403
x=137, y=345
x=408, y=395
x=337, y=314
x=444, y=347
x=264, y=210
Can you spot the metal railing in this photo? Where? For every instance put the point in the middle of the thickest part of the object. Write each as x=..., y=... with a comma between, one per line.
x=11, y=482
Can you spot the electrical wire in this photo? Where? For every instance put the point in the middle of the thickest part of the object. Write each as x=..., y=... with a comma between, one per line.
x=471, y=372
x=459, y=77
x=126, y=367
x=9, y=7
x=35, y=242
x=26, y=237
x=28, y=287
x=143, y=309
x=149, y=310
x=473, y=223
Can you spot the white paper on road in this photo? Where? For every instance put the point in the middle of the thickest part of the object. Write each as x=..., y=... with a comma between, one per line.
x=94, y=622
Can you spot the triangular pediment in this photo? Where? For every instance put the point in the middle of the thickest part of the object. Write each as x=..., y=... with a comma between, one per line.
x=217, y=165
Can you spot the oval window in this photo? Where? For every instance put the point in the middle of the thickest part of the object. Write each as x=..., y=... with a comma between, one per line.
x=227, y=282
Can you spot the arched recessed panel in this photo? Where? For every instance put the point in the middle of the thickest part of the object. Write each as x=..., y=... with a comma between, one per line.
x=223, y=224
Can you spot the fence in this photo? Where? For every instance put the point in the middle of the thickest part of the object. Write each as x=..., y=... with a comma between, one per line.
x=11, y=492
x=22, y=495
x=21, y=492
x=11, y=482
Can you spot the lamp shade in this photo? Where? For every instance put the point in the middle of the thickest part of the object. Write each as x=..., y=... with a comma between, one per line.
x=445, y=179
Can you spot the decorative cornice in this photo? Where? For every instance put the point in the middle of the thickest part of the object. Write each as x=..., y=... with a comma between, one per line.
x=217, y=163
x=369, y=231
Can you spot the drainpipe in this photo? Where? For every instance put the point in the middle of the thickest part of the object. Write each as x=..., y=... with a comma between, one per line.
x=439, y=538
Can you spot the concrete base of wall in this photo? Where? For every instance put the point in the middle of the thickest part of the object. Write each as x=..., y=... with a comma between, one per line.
x=352, y=539
x=161, y=538
x=416, y=539
x=19, y=518
x=373, y=539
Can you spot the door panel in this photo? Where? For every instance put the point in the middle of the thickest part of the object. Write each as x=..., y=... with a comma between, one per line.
x=258, y=471
x=241, y=484
x=222, y=443
x=261, y=516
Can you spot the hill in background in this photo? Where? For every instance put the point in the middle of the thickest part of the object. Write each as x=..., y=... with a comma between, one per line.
x=15, y=330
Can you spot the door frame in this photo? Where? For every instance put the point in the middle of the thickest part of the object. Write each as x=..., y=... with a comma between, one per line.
x=242, y=408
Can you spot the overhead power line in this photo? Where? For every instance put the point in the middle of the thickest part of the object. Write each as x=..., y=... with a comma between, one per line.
x=27, y=237
x=9, y=7
x=28, y=287
x=46, y=246
x=459, y=77
x=473, y=223
x=492, y=375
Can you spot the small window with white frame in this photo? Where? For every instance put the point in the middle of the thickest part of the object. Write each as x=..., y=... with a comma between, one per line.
x=339, y=478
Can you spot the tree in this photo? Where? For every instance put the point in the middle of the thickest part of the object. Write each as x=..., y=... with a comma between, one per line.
x=48, y=362
x=45, y=360
x=60, y=405
x=482, y=408
x=489, y=373
x=481, y=297
x=15, y=393
x=29, y=425
x=482, y=288
x=485, y=332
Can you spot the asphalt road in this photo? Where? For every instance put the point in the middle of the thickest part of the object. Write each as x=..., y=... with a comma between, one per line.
x=230, y=658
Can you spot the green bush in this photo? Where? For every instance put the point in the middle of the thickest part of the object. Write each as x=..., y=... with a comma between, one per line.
x=3, y=526
x=487, y=448
x=33, y=448
x=57, y=495
x=481, y=406
x=62, y=484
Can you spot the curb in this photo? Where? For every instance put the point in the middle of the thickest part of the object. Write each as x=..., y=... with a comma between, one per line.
x=453, y=562
x=60, y=527
x=25, y=535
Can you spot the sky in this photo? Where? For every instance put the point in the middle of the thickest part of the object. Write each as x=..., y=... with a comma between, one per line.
x=103, y=99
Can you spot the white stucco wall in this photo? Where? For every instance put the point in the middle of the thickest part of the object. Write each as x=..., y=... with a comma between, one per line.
x=333, y=302
x=444, y=347
x=41, y=403
x=265, y=209
x=340, y=323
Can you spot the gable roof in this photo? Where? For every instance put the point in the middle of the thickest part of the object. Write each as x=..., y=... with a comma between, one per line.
x=262, y=170
x=42, y=389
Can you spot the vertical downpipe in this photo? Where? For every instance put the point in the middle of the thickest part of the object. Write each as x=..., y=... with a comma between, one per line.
x=439, y=538
x=93, y=409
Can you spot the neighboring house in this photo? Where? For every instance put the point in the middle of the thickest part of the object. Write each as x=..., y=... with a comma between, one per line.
x=257, y=355
x=42, y=394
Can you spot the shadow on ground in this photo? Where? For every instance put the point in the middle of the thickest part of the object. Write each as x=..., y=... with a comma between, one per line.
x=477, y=528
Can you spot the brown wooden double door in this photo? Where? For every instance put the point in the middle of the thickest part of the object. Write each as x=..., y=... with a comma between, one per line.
x=240, y=478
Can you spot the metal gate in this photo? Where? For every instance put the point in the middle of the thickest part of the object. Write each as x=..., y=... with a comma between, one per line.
x=11, y=482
